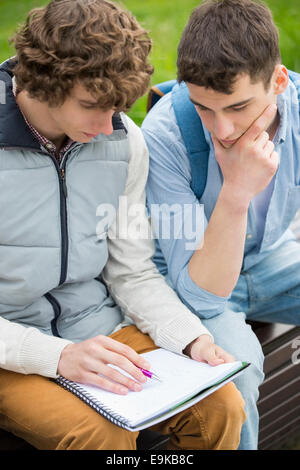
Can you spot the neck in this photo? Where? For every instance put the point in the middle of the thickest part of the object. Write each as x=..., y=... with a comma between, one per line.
x=38, y=115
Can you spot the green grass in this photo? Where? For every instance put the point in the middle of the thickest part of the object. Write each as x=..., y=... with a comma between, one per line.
x=165, y=20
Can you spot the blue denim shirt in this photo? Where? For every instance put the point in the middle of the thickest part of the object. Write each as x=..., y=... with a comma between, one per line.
x=169, y=182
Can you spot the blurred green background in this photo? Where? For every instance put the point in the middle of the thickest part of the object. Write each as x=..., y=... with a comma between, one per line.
x=165, y=20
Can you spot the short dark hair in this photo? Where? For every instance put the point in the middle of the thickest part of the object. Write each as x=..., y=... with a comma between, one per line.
x=226, y=38
x=94, y=42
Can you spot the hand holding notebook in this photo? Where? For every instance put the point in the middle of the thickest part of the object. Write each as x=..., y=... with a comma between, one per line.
x=88, y=361
x=183, y=383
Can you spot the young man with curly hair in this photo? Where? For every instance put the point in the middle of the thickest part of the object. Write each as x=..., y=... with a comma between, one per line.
x=74, y=297
x=229, y=65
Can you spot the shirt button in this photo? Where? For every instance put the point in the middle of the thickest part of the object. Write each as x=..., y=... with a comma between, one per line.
x=49, y=147
x=249, y=236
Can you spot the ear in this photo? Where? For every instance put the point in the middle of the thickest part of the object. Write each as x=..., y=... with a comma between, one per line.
x=280, y=79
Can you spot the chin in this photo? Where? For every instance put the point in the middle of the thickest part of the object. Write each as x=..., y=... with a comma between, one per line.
x=83, y=140
x=226, y=146
x=79, y=137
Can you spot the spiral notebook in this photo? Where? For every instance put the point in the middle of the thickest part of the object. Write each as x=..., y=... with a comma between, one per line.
x=184, y=382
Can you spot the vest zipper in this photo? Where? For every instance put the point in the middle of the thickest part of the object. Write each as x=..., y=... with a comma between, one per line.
x=61, y=171
x=64, y=223
x=57, y=312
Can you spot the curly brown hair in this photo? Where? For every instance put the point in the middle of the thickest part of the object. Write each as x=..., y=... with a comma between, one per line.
x=92, y=42
x=226, y=38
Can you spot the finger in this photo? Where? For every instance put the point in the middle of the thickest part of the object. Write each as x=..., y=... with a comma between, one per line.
x=124, y=350
x=115, y=376
x=269, y=148
x=100, y=367
x=211, y=357
x=94, y=379
x=263, y=139
x=123, y=363
x=275, y=158
x=261, y=123
x=215, y=360
x=224, y=355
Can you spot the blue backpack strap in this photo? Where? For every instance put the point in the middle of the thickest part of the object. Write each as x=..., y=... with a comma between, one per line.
x=190, y=127
x=157, y=91
x=193, y=136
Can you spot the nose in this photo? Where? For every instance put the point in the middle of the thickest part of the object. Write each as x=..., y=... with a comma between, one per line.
x=223, y=127
x=107, y=127
x=103, y=124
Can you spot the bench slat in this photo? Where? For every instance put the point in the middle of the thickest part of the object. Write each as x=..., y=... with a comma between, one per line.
x=279, y=410
x=268, y=402
x=280, y=435
x=287, y=374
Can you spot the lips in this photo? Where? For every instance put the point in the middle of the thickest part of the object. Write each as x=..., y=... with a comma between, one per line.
x=228, y=142
x=91, y=136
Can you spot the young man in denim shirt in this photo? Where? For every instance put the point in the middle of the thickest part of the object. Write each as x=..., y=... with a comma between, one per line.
x=248, y=264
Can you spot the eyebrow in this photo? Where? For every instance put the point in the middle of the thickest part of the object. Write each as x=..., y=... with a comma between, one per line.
x=235, y=105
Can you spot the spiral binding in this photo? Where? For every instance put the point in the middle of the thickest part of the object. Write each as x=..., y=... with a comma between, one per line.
x=106, y=412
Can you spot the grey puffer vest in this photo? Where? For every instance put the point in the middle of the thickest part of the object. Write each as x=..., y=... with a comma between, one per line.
x=51, y=258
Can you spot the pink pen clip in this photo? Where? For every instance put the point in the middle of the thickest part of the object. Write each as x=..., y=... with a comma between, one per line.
x=149, y=374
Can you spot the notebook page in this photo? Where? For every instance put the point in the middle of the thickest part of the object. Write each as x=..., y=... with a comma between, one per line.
x=181, y=378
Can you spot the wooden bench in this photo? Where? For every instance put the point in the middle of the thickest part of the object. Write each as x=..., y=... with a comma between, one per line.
x=279, y=402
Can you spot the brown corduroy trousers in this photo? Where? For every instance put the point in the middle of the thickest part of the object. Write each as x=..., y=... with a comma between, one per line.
x=49, y=417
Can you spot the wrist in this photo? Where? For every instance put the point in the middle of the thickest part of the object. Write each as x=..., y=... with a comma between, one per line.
x=236, y=199
x=63, y=355
x=188, y=349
